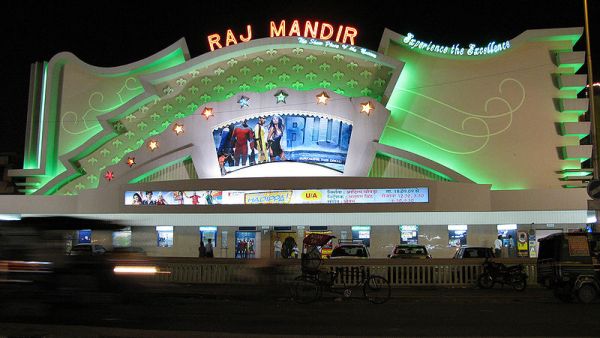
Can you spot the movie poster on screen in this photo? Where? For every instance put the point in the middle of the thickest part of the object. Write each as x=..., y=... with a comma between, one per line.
x=282, y=137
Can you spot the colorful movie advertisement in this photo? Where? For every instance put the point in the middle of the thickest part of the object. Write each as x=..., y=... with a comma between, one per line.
x=277, y=137
x=309, y=196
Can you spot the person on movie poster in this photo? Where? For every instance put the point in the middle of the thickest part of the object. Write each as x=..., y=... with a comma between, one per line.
x=244, y=249
x=260, y=140
x=137, y=199
x=225, y=145
x=195, y=198
x=161, y=200
x=238, y=249
x=223, y=157
x=149, y=199
x=251, y=252
x=276, y=129
x=241, y=136
x=178, y=197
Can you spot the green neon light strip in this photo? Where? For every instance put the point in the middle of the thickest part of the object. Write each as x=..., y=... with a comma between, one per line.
x=41, y=120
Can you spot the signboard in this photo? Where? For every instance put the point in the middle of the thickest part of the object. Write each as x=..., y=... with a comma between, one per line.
x=308, y=29
x=309, y=196
x=455, y=49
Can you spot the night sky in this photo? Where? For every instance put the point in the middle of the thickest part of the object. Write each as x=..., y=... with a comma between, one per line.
x=109, y=34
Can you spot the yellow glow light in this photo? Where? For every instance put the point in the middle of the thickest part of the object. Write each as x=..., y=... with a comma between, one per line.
x=178, y=129
x=152, y=145
x=366, y=107
x=207, y=112
x=322, y=98
x=136, y=270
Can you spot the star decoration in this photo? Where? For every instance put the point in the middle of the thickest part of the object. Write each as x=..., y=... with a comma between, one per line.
x=178, y=129
x=366, y=107
x=243, y=101
x=207, y=112
x=153, y=145
x=280, y=96
x=109, y=175
x=130, y=161
x=322, y=98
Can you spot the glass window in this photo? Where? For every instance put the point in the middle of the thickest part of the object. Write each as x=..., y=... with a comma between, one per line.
x=457, y=235
x=409, y=234
x=362, y=233
x=207, y=233
x=164, y=236
x=121, y=239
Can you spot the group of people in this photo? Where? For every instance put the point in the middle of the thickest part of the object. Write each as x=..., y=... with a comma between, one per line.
x=149, y=200
x=510, y=245
x=241, y=143
x=205, y=250
x=289, y=248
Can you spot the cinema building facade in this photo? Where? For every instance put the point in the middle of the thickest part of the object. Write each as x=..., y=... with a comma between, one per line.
x=277, y=137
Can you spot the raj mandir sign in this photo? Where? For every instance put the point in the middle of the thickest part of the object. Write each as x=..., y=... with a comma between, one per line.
x=309, y=29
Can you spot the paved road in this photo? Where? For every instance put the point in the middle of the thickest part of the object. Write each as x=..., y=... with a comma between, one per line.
x=227, y=311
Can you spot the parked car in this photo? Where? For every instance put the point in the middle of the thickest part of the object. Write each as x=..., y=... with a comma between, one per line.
x=473, y=252
x=350, y=250
x=569, y=264
x=87, y=250
x=410, y=251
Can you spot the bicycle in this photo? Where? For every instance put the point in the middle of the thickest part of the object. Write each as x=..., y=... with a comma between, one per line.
x=309, y=286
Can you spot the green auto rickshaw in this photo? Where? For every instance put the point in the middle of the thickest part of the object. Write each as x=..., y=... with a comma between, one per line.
x=568, y=263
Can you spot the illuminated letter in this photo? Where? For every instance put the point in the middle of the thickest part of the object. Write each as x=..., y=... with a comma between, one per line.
x=329, y=34
x=350, y=33
x=213, y=40
x=309, y=28
x=230, y=38
x=278, y=31
x=249, y=37
x=295, y=29
x=339, y=33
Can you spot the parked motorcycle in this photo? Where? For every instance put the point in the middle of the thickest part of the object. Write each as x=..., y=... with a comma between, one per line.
x=499, y=273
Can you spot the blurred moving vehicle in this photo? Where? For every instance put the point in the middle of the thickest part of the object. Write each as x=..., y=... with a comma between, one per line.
x=410, y=251
x=569, y=264
x=350, y=250
x=473, y=252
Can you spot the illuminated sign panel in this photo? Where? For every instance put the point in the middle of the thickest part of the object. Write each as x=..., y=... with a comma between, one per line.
x=310, y=29
x=456, y=49
x=309, y=196
x=305, y=138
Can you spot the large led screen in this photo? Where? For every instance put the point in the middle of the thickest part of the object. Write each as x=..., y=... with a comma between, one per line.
x=297, y=137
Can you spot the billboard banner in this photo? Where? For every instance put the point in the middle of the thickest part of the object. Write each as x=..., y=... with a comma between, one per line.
x=308, y=196
x=296, y=137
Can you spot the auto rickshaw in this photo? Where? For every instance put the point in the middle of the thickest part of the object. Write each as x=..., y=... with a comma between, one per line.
x=568, y=263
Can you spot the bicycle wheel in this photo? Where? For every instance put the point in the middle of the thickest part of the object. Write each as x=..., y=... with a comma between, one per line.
x=377, y=290
x=305, y=290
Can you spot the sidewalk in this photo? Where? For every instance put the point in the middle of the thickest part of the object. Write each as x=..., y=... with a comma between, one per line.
x=258, y=292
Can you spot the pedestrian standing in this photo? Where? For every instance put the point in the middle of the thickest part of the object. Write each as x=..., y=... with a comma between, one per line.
x=201, y=250
x=277, y=245
x=511, y=246
x=498, y=247
x=209, y=249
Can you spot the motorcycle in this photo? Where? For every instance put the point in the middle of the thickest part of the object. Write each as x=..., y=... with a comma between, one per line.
x=499, y=273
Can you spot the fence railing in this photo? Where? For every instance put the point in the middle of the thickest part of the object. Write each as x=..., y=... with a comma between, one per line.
x=431, y=272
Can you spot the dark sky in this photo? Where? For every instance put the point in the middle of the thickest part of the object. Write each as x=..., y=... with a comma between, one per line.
x=108, y=34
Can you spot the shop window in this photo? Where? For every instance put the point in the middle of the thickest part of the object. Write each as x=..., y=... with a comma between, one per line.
x=317, y=228
x=207, y=233
x=84, y=236
x=362, y=233
x=457, y=235
x=164, y=236
x=282, y=228
x=409, y=234
x=122, y=239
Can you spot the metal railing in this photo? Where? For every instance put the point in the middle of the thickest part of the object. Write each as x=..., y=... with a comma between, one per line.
x=400, y=273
